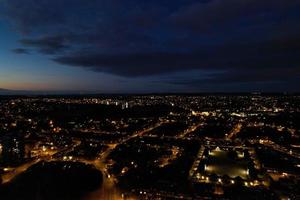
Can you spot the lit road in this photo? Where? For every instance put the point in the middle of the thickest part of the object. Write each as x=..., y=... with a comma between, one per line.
x=13, y=172
x=190, y=130
x=108, y=190
x=282, y=149
x=18, y=170
x=235, y=131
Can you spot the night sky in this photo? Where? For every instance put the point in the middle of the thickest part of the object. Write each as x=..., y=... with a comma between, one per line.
x=123, y=46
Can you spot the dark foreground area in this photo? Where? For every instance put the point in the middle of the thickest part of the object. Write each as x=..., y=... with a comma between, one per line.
x=53, y=180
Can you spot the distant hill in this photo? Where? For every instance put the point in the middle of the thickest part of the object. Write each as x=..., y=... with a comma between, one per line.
x=4, y=91
x=11, y=92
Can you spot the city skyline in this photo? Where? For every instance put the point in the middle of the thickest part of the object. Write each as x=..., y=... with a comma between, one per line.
x=105, y=46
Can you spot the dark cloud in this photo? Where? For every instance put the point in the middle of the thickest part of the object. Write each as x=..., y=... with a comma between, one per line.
x=217, y=15
x=243, y=80
x=21, y=51
x=47, y=45
x=270, y=56
x=249, y=40
x=33, y=15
